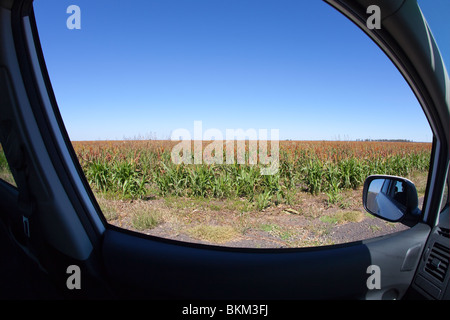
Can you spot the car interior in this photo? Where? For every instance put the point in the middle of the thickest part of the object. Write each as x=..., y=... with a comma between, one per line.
x=51, y=220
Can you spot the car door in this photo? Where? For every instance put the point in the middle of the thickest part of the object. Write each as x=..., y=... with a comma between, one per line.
x=66, y=234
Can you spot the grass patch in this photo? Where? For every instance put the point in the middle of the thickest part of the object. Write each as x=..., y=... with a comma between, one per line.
x=109, y=211
x=277, y=231
x=7, y=176
x=232, y=204
x=320, y=230
x=237, y=205
x=420, y=181
x=146, y=220
x=214, y=234
x=270, y=228
x=352, y=216
x=390, y=224
x=174, y=202
x=314, y=243
x=108, y=207
x=329, y=219
x=341, y=217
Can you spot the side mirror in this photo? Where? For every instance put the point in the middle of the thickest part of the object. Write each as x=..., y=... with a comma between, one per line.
x=391, y=198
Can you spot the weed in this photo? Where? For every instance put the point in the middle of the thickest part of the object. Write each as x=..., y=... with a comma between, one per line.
x=145, y=220
x=263, y=200
x=341, y=217
x=213, y=233
x=374, y=228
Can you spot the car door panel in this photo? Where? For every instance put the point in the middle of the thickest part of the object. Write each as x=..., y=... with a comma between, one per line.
x=195, y=271
x=183, y=271
x=397, y=257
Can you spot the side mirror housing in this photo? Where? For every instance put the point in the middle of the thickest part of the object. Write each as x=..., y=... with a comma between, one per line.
x=391, y=198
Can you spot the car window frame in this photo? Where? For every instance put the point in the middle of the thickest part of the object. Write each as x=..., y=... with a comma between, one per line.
x=26, y=28
x=436, y=145
x=176, y=253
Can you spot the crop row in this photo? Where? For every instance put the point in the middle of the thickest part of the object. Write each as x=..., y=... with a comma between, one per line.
x=137, y=170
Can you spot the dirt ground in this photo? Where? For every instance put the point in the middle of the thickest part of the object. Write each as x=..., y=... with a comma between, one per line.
x=308, y=221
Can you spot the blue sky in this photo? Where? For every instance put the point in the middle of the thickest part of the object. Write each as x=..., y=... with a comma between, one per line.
x=296, y=66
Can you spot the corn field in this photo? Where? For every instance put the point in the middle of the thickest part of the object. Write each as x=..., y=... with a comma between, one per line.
x=136, y=169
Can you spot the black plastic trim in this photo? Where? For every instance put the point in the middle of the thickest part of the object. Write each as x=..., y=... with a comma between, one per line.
x=164, y=270
x=19, y=11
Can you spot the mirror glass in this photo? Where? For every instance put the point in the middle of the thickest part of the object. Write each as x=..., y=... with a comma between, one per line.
x=387, y=198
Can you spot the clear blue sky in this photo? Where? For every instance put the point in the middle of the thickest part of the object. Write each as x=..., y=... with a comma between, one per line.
x=297, y=66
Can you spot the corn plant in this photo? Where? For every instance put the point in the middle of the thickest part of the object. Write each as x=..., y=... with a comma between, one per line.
x=130, y=168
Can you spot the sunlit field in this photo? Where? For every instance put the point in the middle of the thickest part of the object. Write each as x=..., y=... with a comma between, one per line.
x=137, y=169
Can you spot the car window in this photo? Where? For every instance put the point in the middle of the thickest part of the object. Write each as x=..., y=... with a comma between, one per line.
x=377, y=185
x=386, y=185
x=237, y=123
